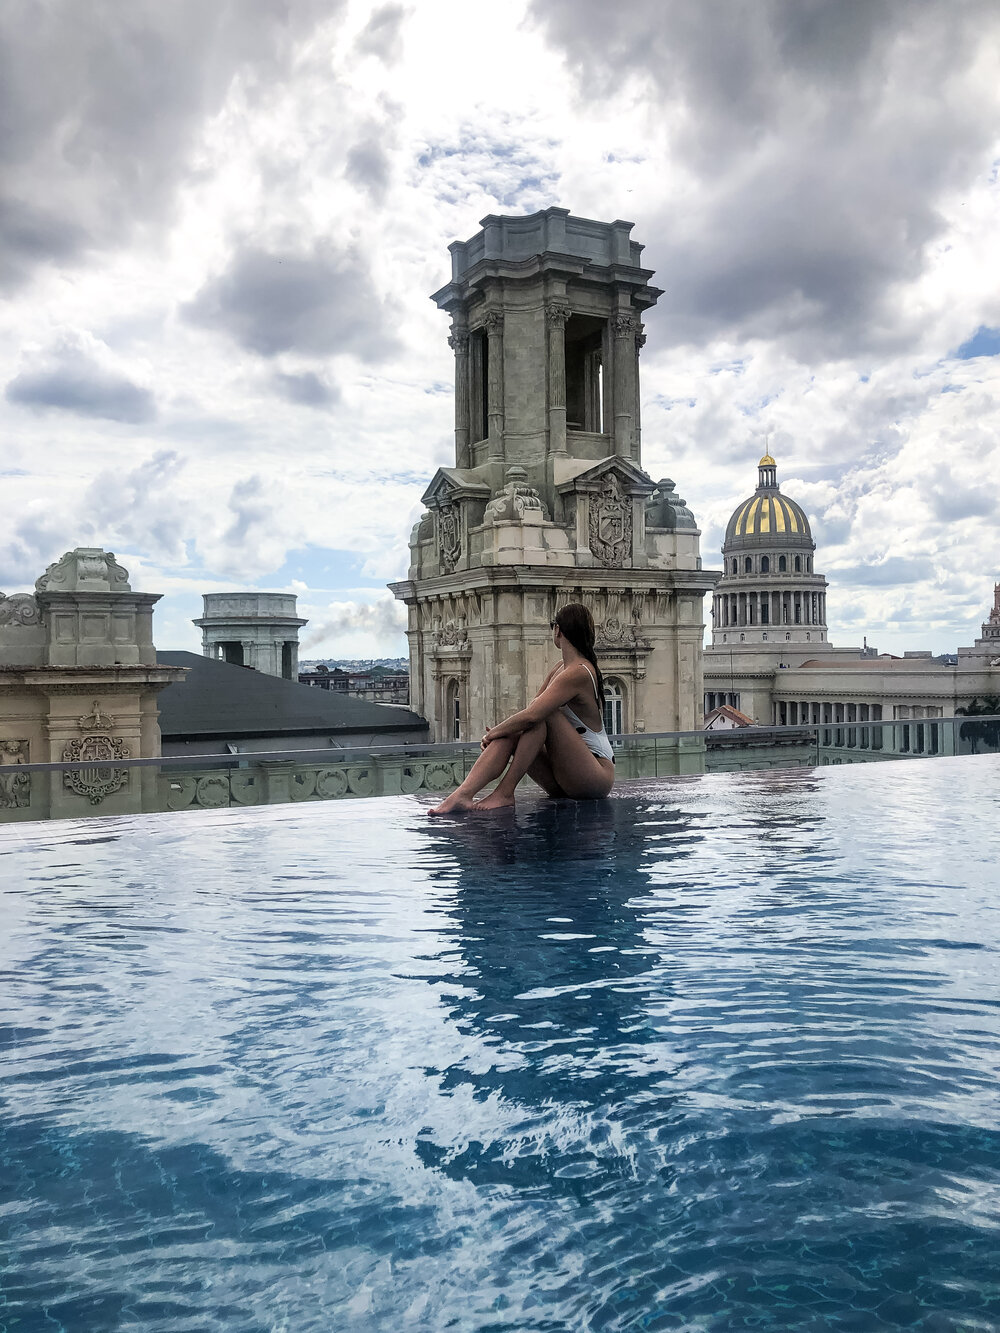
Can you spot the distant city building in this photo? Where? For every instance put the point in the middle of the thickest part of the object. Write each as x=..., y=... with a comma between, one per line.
x=769, y=591
x=79, y=680
x=547, y=502
x=770, y=657
x=252, y=629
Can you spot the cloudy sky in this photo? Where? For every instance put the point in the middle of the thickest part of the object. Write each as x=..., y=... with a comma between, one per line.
x=221, y=220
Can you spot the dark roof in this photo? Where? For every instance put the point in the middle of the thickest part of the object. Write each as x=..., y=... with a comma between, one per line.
x=217, y=700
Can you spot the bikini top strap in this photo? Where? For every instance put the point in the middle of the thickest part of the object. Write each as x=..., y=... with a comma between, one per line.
x=593, y=680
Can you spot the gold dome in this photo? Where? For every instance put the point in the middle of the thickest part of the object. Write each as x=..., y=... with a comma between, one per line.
x=767, y=461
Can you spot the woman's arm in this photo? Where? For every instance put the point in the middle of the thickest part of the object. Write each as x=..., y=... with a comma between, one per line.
x=563, y=686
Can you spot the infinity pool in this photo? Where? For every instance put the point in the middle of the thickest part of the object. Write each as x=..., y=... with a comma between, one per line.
x=719, y=1053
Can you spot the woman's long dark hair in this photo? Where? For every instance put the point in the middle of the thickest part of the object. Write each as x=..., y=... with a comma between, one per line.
x=577, y=625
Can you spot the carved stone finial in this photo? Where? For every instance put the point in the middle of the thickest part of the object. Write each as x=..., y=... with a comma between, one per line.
x=514, y=500
x=85, y=569
x=666, y=509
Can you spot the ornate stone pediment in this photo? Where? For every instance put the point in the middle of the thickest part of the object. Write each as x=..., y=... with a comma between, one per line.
x=86, y=569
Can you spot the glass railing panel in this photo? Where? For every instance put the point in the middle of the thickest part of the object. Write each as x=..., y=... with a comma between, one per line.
x=178, y=783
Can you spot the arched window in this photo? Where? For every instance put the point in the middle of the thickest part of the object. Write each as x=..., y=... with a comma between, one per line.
x=742, y=638
x=454, y=713
x=734, y=567
x=747, y=565
x=764, y=637
x=787, y=635
x=723, y=638
x=809, y=564
x=808, y=637
x=614, y=707
x=798, y=564
x=782, y=564
x=765, y=564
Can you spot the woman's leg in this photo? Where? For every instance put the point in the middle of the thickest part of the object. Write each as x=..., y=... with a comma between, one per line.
x=529, y=743
x=579, y=772
x=490, y=764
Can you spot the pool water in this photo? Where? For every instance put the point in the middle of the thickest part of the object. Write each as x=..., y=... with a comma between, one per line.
x=719, y=1053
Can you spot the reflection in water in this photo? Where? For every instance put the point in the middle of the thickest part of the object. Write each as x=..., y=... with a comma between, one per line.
x=710, y=1055
x=554, y=979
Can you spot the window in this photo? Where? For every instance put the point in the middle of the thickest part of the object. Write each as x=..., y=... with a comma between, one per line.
x=798, y=564
x=765, y=564
x=747, y=565
x=782, y=564
x=787, y=635
x=809, y=564
x=614, y=708
x=480, y=366
x=764, y=636
x=735, y=567
x=584, y=373
x=454, y=713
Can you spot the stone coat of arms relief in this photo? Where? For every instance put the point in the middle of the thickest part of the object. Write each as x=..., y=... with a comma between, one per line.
x=611, y=524
x=449, y=536
x=96, y=744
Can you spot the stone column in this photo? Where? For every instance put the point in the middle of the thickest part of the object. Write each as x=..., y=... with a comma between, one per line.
x=640, y=342
x=493, y=323
x=624, y=327
x=556, y=316
x=459, y=343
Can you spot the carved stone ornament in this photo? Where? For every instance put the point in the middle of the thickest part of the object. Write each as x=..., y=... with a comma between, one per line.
x=19, y=609
x=493, y=321
x=515, y=500
x=556, y=314
x=84, y=569
x=625, y=325
x=449, y=536
x=459, y=342
x=611, y=525
x=452, y=634
x=15, y=787
x=614, y=634
x=97, y=745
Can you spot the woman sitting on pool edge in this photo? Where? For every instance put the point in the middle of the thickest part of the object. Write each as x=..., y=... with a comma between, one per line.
x=558, y=740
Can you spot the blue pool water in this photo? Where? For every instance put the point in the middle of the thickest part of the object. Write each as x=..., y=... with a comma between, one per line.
x=716, y=1054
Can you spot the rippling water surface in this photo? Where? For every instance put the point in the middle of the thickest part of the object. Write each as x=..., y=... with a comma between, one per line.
x=715, y=1054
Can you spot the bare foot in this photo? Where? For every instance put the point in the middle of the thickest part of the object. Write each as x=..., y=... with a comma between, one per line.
x=451, y=803
x=495, y=801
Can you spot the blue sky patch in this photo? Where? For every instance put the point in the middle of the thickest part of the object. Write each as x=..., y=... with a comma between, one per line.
x=984, y=342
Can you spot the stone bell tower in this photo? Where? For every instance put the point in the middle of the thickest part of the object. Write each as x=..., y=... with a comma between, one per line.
x=547, y=502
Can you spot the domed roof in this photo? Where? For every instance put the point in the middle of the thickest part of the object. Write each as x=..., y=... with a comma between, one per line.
x=768, y=517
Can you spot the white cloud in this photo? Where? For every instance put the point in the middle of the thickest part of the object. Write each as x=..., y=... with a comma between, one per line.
x=819, y=199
